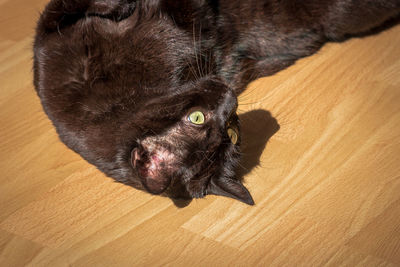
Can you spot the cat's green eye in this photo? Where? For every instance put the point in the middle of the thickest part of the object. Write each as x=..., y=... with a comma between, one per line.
x=233, y=135
x=196, y=117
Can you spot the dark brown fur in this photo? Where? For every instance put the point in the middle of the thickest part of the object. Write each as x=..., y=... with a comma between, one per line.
x=118, y=78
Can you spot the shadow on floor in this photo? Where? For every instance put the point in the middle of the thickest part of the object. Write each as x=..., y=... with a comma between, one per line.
x=257, y=127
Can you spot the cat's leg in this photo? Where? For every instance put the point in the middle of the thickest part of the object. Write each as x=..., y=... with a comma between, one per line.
x=252, y=69
x=294, y=29
x=346, y=18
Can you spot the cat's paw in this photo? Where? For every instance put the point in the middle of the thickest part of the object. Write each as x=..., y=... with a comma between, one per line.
x=197, y=189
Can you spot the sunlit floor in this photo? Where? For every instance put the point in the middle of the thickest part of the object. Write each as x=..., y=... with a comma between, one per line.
x=321, y=159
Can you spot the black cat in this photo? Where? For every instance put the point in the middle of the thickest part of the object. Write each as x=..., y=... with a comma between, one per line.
x=146, y=90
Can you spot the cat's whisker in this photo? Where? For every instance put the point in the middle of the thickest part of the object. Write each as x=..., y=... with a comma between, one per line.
x=210, y=159
x=210, y=58
x=243, y=167
x=192, y=68
x=200, y=53
x=195, y=50
x=210, y=162
x=193, y=71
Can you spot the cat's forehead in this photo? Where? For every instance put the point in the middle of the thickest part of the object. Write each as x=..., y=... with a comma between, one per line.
x=217, y=95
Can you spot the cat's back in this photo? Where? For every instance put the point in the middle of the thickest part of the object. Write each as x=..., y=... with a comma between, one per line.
x=93, y=61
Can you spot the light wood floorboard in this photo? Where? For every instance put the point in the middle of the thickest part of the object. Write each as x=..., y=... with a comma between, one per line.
x=321, y=158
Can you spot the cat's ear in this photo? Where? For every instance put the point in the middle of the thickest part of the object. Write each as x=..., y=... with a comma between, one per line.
x=229, y=187
x=152, y=171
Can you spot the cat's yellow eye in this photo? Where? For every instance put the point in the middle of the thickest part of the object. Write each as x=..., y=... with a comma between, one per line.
x=197, y=117
x=232, y=135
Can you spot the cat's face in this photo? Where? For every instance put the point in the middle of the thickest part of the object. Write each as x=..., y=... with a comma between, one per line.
x=198, y=154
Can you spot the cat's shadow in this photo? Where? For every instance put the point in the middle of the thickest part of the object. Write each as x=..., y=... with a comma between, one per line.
x=257, y=127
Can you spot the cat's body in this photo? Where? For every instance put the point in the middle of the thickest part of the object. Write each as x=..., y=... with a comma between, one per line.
x=119, y=79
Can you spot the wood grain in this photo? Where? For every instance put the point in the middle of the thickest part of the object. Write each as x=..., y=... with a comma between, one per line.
x=321, y=158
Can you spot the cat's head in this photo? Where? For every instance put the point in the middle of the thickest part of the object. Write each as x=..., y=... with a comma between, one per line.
x=197, y=152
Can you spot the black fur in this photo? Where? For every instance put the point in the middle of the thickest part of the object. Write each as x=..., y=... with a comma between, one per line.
x=118, y=78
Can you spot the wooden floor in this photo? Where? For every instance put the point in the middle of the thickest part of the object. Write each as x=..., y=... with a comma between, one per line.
x=322, y=161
